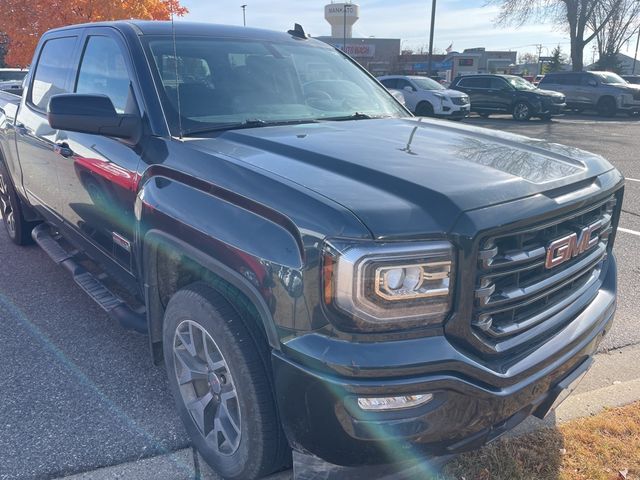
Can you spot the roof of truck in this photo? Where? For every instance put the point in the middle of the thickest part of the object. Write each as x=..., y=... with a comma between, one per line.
x=154, y=27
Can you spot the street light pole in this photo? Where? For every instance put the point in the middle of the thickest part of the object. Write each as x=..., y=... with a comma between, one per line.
x=244, y=15
x=433, y=25
x=344, y=29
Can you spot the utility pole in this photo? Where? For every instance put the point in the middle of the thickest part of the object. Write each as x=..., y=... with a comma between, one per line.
x=539, y=61
x=433, y=26
x=244, y=15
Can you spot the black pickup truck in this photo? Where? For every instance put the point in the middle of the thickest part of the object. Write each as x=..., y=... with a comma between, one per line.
x=319, y=270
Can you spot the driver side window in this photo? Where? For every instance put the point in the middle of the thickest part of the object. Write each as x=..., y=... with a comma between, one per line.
x=103, y=71
x=402, y=84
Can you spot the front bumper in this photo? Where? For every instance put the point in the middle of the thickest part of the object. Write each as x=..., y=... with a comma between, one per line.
x=451, y=110
x=318, y=381
x=552, y=109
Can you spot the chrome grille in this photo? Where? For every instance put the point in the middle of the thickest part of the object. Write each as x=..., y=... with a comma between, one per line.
x=517, y=296
x=460, y=100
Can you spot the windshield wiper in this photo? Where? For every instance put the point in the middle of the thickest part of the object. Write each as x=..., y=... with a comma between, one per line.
x=355, y=116
x=250, y=123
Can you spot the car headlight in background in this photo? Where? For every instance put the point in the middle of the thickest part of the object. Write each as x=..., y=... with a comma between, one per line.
x=442, y=98
x=382, y=287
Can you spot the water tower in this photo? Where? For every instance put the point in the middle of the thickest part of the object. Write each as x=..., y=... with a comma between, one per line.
x=342, y=17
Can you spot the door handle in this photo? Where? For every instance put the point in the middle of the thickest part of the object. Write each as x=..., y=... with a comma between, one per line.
x=63, y=149
x=21, y=128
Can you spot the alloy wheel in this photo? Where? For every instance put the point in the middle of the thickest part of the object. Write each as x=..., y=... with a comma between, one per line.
x=521, y=111
x=6, y=210
x=207, y=388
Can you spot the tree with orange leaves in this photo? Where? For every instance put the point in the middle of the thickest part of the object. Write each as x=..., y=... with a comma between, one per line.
x=24, y=21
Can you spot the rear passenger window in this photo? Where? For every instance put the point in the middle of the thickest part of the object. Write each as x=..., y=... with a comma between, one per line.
x=103, y=71
x=477, y=82
x=52, y=70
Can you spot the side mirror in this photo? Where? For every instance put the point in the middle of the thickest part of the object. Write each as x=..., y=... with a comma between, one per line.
x=409, y=88
x=592, y=83
x=92, y=114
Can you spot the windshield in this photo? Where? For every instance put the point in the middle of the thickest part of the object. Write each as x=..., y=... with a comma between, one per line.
x=521, y=84
x=610, y=78
x=424, y=83
x=225, y=84
x=11, y=75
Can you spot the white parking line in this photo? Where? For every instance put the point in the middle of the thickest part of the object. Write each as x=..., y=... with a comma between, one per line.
x=626, y=230
x=633, y=179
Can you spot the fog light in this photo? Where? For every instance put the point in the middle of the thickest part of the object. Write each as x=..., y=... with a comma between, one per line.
x=393, y=403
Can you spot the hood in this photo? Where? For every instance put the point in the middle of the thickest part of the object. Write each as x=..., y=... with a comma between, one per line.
x=629, y=87
x=452, y=93
x=407, y=177
x=547, y=93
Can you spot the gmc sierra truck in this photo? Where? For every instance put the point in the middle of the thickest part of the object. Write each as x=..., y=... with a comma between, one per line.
x=318, y=270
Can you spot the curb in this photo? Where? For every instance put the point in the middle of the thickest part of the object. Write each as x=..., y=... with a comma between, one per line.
x=613, y=381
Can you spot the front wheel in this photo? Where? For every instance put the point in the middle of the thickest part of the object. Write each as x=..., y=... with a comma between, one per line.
x=18, y=229
x=521, y=112
x=607, y=107
x=221, y=385
x=425, y=109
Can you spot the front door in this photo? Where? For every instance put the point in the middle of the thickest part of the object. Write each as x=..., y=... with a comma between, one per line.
x=501, y=94
x=97, y=173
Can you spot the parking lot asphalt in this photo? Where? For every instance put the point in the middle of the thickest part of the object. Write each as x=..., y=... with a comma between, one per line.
x=78, y=392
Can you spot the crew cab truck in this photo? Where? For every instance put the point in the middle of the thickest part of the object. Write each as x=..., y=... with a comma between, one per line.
x=319, y=273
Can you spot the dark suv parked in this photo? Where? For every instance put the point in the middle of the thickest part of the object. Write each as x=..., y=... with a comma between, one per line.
x=509, y=94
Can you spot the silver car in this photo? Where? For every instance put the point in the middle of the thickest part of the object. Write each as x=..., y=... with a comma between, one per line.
x=605, y=92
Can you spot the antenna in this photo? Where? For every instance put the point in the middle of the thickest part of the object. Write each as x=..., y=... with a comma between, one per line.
x=298, y=32
x=175, y=64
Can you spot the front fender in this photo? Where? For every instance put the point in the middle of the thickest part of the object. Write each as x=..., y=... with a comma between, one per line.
x=248, y=246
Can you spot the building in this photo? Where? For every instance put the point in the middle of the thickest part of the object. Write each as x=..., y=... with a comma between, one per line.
x=480, y=60
x=378, y=55
x=625, y=62
x=418, y=64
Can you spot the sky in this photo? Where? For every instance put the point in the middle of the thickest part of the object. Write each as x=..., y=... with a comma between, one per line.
x=463, y=23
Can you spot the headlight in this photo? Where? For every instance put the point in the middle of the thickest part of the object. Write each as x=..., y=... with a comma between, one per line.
x=382, y=287
x=441, y=97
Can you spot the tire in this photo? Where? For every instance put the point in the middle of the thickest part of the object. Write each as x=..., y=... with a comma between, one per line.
x=607, y=107
x=521, y=112
x=18, y=229
x=224, y=397
x=424, y=109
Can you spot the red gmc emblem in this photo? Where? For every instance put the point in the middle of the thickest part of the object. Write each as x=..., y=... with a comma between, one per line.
x=565, y=248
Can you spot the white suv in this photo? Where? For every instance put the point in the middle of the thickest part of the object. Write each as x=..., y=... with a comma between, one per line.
x=427, y=98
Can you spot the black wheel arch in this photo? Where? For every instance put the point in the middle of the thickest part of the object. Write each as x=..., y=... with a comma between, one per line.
x=154, y=241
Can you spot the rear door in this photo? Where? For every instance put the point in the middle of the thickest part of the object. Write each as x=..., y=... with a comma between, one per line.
x=98, y=174
x=37, y=143
x=478, y=90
